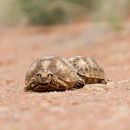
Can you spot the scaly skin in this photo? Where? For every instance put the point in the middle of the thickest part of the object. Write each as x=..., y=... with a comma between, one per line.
x=30, y=85
x=80, y=83
x=56, y=83
x=60, y=83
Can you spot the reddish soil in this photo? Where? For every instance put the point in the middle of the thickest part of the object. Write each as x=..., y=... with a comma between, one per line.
x=94, y=107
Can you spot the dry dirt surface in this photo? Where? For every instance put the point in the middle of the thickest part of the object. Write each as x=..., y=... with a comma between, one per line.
x=94, y=107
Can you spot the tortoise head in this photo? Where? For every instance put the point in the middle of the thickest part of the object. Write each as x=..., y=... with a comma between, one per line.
x=44, y=78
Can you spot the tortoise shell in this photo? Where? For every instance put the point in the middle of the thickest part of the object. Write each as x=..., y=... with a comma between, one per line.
x=88, y=68
x=58, y=66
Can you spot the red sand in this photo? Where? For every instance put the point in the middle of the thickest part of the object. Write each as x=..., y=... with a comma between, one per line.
x=92, y=107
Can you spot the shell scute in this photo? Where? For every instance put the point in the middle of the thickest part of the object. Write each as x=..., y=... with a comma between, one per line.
x=88, y=67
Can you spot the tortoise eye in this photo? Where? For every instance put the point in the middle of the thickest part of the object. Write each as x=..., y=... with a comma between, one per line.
x=49, y=75
x=39, y=74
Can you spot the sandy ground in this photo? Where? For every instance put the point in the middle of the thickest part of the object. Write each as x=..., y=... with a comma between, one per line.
x=94, y=107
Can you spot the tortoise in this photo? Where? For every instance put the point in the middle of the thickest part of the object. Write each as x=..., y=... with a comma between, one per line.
x=50, y=73
x=89, y=71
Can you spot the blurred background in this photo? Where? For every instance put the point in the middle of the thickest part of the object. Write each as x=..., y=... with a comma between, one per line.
x=17, y=13
x=98, y=28
x=29, y=29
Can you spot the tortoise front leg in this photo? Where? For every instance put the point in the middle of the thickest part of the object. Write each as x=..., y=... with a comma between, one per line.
x=103, y=81
x=59, y=83
x=80, y=82
x=30, y=85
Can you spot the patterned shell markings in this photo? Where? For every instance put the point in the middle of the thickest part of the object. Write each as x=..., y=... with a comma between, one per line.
x=57, y=65
x=87, y=67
